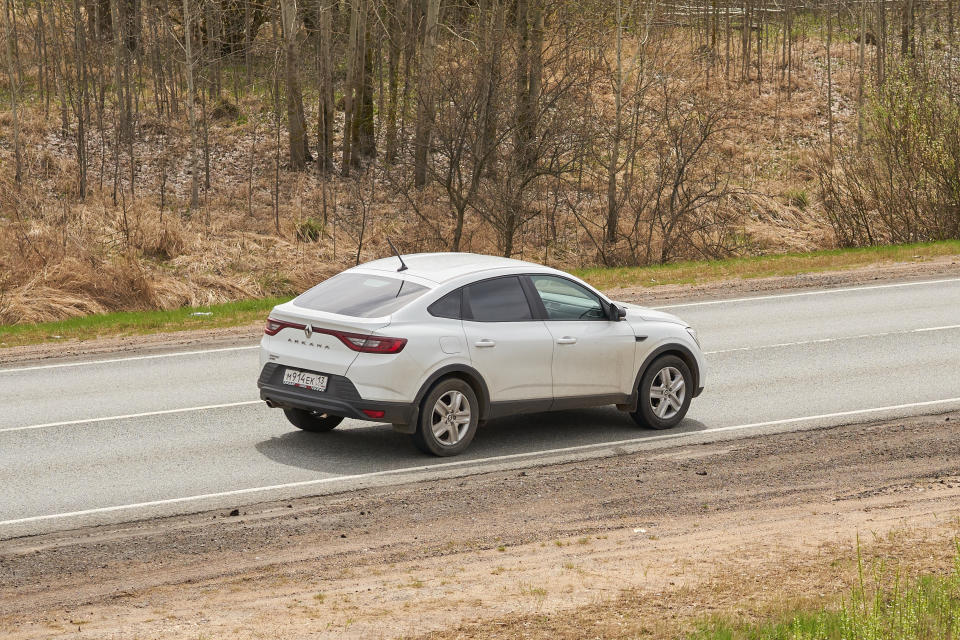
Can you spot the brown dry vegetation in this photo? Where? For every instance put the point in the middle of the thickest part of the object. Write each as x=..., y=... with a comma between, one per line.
x=132, y=240
x=635, y=545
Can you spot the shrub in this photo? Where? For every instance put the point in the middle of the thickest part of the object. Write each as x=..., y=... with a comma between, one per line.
x=224, y=110
x=798, y=198
x=309, y=230
x=903, y=185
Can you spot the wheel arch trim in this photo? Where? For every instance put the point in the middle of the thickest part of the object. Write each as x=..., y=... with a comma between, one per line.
x=465, y=371
x=669, y=348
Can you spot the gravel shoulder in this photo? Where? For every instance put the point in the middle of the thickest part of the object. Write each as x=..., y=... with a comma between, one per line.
x=655, y=295
x=636, y=544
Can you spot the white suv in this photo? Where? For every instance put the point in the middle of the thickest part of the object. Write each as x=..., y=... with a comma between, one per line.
x=438, y=343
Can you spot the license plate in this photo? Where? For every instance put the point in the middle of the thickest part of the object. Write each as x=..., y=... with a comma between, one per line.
x=305, y=380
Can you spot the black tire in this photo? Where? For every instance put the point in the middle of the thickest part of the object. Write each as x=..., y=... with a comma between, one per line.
x=312, y=421
x=649, y=397
x=426, y=437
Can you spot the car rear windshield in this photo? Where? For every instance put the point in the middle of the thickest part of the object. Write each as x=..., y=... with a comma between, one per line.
x=360, y=295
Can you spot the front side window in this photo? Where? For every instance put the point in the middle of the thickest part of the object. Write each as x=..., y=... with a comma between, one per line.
x=497, y=300
x=567, y=300
x=360, y=295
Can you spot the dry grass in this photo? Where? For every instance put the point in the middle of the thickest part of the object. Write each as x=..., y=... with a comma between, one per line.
x=117, y=251
x=781, y=588
x=128, y=323
x=766, y=266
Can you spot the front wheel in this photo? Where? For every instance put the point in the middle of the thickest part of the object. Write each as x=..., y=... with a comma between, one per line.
x=448, y=418
x=314, y=421
x=664, y=394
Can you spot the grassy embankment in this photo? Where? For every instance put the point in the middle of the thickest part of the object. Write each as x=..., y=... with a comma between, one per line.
x=787, y=264
x=127, y=323
x=247, y=312
x=883, y=605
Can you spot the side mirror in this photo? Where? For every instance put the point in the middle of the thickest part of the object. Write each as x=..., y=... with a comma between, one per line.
x=615, y=312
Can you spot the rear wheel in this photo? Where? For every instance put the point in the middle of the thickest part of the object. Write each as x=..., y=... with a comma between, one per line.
x=314, y=421
x=448, y=418
x=664, y=394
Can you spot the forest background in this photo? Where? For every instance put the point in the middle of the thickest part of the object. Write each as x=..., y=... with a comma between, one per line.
x=156, y=154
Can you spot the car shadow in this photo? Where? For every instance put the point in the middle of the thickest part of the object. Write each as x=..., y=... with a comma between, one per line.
x=377, y=447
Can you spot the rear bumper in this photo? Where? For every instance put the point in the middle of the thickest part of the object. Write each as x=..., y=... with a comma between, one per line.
x=341, y=398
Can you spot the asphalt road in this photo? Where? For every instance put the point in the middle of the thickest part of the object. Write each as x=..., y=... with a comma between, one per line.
x=116, y=439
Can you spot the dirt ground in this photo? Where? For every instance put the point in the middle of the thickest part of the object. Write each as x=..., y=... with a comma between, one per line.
x=662, y=294
x=638, y=545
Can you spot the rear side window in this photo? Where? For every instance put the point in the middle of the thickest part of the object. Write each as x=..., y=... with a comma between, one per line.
x=360, y=295
x=497, y=300
x=447, y=307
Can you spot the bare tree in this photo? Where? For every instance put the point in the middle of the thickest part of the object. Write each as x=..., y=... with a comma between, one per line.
x=676, y=206
x=188, y=50
x=325, y=86
x=81, y=105
x=830, y=77
x=13, y=74
x=354, y=67
x=619, y=158
x=426, y=108
x=296, y=122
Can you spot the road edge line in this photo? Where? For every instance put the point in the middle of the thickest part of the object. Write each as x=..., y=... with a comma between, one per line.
x=460, y=463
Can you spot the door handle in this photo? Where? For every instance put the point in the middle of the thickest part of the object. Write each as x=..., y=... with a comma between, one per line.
x=485, y=342
x=567, y=340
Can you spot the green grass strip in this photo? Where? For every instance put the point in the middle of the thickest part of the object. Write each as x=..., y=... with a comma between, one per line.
x=787, y=264
x=127, y=323
x=233, y=314
x=883, y=605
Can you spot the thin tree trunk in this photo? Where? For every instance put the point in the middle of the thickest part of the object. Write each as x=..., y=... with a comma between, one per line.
x=613, y=210
x=726, y=10
x=296, y=122
x=364, y=141
x=789, y=49
x=349, y=104
x=906, y=33
x=247, y=27
x=253, y=153
x=325, y=98
x=425, y=112
x=213, y=47
x=191, y=115
x=13, y=74
x=882, y=44
x=830, y=79
x=393, y=71
x=863, y=43
x=81, y=109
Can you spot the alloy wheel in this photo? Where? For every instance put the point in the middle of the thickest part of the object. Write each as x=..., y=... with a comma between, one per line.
x=667, y=392
x=451, y=417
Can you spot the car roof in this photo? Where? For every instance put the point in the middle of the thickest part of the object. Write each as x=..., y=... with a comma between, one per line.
x=441, y=267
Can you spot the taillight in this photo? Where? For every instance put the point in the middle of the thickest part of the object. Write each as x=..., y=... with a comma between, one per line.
x=355, y=341
x=273, y=326
x=367, y=343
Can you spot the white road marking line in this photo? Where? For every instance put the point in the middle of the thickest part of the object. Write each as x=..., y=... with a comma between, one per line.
x=806, y=293
x=951, y=326
x=249, y=402
x=153, y=357
x=669, y=306
x=837, y=339
x=460, y=463
x=131, y=415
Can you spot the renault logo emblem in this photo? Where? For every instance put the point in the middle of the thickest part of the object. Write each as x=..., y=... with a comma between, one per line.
x=308, y=331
